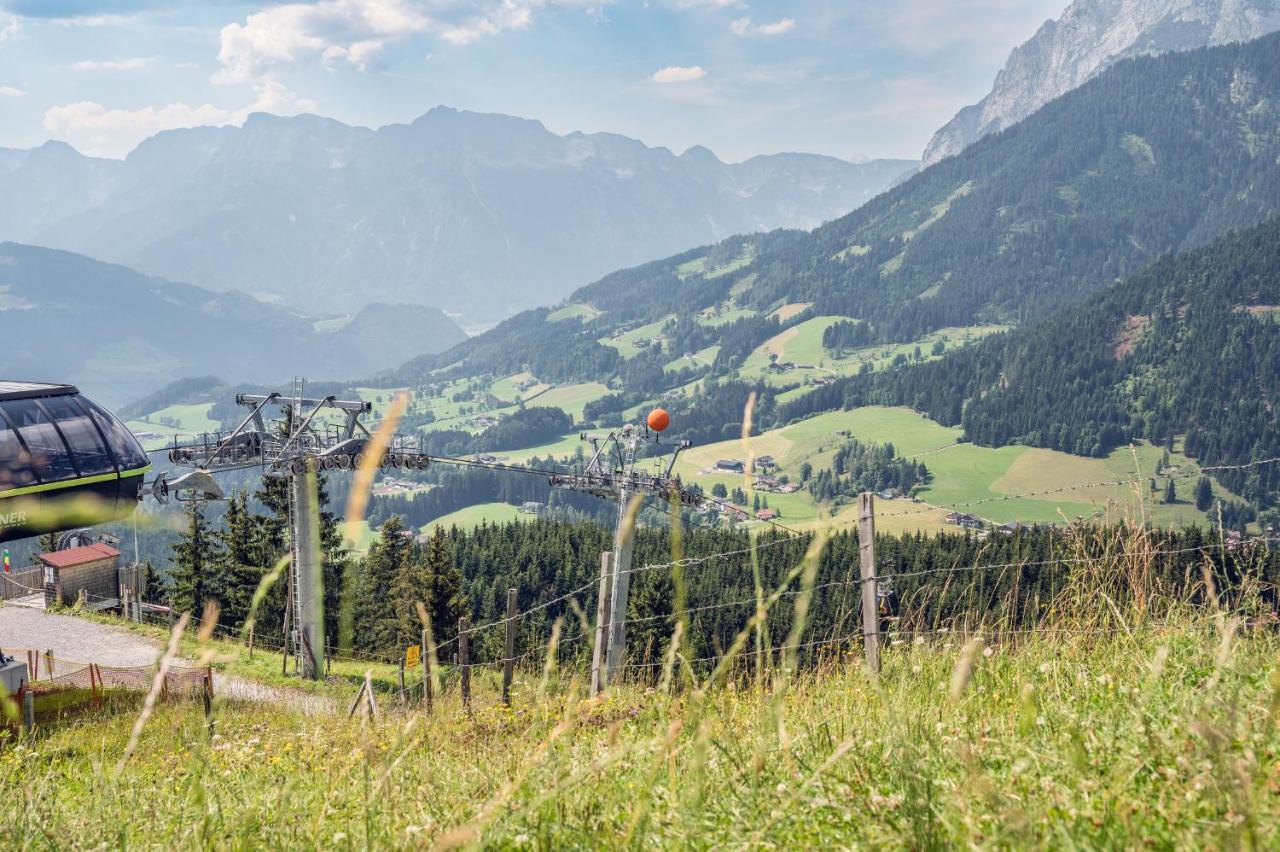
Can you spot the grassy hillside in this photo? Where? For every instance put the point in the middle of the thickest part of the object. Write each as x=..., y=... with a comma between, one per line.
x=1163, y=736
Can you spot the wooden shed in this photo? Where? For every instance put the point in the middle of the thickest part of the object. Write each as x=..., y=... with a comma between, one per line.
x=93, y=569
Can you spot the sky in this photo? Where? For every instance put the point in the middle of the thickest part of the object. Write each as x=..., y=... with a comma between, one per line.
x=851, y=79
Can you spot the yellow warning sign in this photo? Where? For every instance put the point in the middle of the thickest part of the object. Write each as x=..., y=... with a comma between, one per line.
x=412, y=656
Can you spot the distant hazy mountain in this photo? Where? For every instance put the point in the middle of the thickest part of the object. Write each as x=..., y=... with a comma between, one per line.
x=1090, y=35
x=479, y=214
x=1157, y=154
x=68, y=318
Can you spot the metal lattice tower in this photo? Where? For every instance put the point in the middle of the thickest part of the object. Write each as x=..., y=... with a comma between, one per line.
x=302, y=441
x=612, y=474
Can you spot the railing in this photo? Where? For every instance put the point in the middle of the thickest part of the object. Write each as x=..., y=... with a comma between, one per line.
x=20, y=584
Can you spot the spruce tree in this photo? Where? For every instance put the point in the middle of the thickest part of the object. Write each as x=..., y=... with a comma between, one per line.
x=376, y=623
x=1204, y=494
x=447, y=603
x=1170, y=493
x=241, y=569
x=197, y=561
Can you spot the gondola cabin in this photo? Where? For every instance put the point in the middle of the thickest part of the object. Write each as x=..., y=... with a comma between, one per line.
x=65, y=462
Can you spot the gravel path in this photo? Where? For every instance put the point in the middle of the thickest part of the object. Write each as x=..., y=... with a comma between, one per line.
x=84, y=641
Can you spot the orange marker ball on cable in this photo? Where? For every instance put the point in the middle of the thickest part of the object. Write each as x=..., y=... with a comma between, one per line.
x=659, y=420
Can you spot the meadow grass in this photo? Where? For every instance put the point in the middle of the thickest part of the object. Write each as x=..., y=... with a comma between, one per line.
x=1164, y=736
x=474, y=516
x=571, y=399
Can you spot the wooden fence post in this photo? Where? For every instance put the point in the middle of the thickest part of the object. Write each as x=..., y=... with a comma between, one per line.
x=401, y=674
x=509, y=662
x=251, y=641
x=427, y=672
x=48, y=659
x=870, y=583
x=603, y=600
x=464, y=661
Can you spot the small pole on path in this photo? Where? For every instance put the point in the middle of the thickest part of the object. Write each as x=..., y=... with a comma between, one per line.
x=427, y=697
x=509, y=662
x=28, y=710
x=464, y=661
x=870, y=582
x=598, y=671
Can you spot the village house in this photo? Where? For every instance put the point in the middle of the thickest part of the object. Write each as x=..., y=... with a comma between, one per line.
x=960, y=519
x=530, y=507
x=730, y=466
x=767, y=515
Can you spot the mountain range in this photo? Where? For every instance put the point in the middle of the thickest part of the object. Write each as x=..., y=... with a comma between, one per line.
x=68, y=318
x=1090, y=36
x=476, y=214
x=1157, y=154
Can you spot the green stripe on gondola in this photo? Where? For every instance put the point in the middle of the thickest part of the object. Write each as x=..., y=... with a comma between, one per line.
x=73, y=483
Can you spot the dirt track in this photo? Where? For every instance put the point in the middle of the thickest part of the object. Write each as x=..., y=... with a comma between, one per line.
x=84, y=641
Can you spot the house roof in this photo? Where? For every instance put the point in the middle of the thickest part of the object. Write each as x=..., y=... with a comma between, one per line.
x=79, y=555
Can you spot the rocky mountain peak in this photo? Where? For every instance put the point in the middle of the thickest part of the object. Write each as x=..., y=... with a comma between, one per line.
x=1091, y=35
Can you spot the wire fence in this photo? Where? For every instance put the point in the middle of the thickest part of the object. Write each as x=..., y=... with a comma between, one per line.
x=844, y=595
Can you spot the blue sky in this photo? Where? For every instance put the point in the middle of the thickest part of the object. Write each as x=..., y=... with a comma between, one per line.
x=742, y=77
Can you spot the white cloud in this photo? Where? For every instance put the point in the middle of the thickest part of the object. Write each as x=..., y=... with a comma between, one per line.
x=779, y=27
x=678, y=74
x=9, y=25
x=99, y=131
x=11, y=92
x=355, y=31
x=743, y=27
x=133, y=64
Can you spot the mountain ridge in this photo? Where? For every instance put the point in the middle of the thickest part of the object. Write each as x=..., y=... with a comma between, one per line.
x=487, y=213
x=124, y=334
x=1089, y=36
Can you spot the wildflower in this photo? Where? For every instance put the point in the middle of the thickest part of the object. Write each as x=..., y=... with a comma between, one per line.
x=988, y=651
x=1045, y=668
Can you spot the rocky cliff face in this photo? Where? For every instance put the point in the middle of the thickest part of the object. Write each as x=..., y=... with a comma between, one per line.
x=1090, y=35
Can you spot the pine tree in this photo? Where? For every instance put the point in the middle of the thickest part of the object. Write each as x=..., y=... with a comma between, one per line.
x=48, y=542
x=1204, y=494
x=197, y=560
x=1170, y=493
x=447, y=603
x=376, y=623
x=156, y=586
x=240, y=568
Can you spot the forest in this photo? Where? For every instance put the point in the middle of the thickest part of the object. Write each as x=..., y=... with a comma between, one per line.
x=370, y=599
x=1188, y=350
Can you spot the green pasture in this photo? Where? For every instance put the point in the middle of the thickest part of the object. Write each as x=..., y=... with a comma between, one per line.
x=579, y=310
x=474, y=516
x=571, y=399
x=623, y=343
